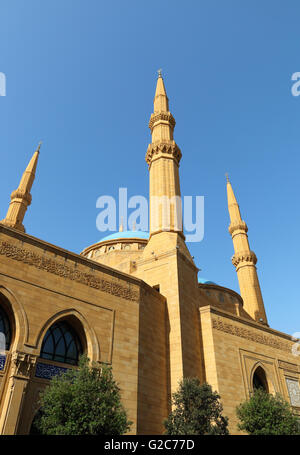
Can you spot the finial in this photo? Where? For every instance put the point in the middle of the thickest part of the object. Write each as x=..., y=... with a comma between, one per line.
x=159, y=72
x=39, y=146
x=133, y=226
x=227, y=177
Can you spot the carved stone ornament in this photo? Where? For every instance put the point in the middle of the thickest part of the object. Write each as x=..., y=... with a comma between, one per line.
x=71, y=273
x=167, y=150
x=250, y=335
x=162, y=117
x=23, y=364
x=244, y=256
x=20, y=194
x=238, y=226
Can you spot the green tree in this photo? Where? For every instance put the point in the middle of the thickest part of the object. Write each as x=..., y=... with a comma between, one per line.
x=266, y=414
x=82, y=401
x=197, y=410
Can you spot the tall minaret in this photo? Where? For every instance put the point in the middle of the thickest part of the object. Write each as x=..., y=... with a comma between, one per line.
x=21, y=197
x=244, y=261
x=166, y=262
x=163, y=157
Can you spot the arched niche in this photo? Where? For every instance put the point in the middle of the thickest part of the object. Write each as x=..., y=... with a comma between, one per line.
x=261, y=379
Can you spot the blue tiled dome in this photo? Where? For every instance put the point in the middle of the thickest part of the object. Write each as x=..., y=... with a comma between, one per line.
x=127, y=235
x=205, y=281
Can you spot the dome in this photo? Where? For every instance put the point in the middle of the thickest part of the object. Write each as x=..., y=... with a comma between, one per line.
x=126, y=235
x=205, y=281
x=119, y=250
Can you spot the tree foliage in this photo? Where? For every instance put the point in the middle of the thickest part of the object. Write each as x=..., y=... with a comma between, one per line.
x=197, y=410
x=82, y=401
x=265, y=414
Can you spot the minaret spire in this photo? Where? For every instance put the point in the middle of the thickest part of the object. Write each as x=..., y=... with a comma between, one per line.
x=161, y=101
x=163, y=157
x=244, y=261
x=21, y=197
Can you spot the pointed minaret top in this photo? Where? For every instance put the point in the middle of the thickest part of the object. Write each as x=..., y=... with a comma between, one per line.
x=161, y=102
x=233, y=207
x=230, y=194
x=21, y=197
x=29, y=174
x=244, y=261
x=162, y=123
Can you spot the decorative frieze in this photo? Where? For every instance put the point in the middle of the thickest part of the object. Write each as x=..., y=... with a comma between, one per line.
x=47, y=371
x=244, y=256
x=162, y=117
x=57, y=268
x=167, y=150
x=250, y=335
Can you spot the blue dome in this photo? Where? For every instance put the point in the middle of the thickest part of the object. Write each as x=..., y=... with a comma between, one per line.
x=127, y=235
x=205, y=281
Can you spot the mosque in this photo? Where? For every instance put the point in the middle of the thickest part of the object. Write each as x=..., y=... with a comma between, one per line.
x=134, y=301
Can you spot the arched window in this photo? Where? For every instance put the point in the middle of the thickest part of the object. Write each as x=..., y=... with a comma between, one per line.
x=260, y=380
x=61, y=344
x=5, y=329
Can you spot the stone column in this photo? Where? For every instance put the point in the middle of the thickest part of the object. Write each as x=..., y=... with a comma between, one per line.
x=21, y=369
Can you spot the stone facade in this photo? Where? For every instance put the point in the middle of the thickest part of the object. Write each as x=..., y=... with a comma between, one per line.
x=137, y=305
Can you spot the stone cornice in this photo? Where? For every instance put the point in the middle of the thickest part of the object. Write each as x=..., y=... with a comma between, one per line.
x=244, y=258
x=24, y=196
x=163, y=150
x=238, y=226
x=162, y=117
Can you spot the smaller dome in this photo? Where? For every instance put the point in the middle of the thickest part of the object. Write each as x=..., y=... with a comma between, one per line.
x=126, y=235
x=202, y=280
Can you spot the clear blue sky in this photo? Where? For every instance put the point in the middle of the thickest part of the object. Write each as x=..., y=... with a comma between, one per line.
x=81, y=77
